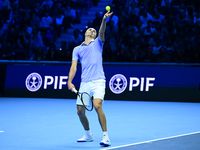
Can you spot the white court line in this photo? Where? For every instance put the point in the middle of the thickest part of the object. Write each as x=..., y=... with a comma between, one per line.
x=152, y=140
x=1, y=131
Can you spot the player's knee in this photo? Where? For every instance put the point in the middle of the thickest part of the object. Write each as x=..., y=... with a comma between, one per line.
x=97, y=106
x=80, y=113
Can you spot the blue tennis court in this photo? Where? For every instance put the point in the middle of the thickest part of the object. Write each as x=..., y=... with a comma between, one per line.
x=52, y=124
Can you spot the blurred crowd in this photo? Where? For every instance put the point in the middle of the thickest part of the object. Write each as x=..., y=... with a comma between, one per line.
x=33, y=27
x=138, y=31
x=154, y=31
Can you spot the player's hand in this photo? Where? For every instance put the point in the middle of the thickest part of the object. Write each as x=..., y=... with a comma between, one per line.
x=70, y=86
x=106, y=15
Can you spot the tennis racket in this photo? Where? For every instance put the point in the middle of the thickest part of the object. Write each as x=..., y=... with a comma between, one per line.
x=86, y=99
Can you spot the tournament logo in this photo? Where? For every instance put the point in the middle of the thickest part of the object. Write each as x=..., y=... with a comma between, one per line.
x=33, y=82
x=118, y=83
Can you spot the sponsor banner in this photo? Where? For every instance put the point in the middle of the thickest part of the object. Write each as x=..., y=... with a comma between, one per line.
x=122, y=82
x=35, y=78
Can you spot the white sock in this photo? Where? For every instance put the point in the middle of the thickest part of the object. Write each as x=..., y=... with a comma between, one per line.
x=105, y=134
x=88, y=132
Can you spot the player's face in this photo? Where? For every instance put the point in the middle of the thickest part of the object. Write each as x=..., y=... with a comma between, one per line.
x=91, y=32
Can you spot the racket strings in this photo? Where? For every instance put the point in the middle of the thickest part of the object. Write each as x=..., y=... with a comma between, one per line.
x=87, y=100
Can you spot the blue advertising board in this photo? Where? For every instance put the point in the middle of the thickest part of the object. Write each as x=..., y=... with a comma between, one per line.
x=123, y=82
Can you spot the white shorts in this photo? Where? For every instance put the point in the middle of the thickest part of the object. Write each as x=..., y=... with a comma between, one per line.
x=95, y=88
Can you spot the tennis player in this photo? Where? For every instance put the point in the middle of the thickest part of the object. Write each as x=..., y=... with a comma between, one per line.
x=92, y=78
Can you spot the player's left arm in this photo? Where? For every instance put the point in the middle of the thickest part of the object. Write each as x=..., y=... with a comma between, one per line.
x=102, y=28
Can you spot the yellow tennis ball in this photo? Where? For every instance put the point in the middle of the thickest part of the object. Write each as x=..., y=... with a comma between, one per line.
x=107, y=8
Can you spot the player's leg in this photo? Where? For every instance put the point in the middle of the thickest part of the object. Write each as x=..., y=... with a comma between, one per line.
x=102, y=120
x=80, y=107
x=88, y=137
x=82, y=117
x=98, y=89
x=100, y=113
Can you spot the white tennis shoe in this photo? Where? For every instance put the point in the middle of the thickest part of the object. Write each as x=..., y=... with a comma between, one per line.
x=105, y=141
x=86, y=138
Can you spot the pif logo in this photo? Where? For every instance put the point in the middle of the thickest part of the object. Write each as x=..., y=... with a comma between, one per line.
x=118, y=83
x=33, y=82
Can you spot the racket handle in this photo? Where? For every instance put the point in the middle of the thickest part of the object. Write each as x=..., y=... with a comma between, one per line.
x=74, y=90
